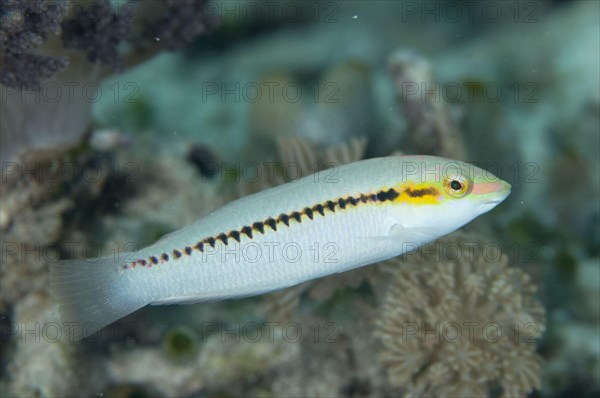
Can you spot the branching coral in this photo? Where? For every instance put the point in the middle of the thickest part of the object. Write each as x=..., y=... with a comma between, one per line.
x=458, y=321
x=98, y=30
x=40, y=38
x=24, y=25
x=95, y=27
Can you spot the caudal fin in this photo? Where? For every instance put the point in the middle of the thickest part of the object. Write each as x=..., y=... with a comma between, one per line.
x=91, y=294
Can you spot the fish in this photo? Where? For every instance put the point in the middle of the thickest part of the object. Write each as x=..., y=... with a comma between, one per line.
x=328, y=222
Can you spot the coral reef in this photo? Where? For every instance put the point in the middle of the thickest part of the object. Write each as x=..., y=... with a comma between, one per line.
x=431, y=121
x=46, y=207
x=224, y=364
x=34, y=60
x=24, y=27
x=96, y=27
x=32, y=222
x=458, y=321
x=36, y=335
x=98, y=31
x=36, y=204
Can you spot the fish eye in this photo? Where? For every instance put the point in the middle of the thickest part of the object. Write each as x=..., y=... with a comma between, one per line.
x=457, y=187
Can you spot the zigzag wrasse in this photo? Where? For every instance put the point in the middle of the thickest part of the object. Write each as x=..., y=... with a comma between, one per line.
x=328, y=222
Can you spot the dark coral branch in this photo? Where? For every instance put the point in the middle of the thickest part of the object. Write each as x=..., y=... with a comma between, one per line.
x=24, y=26
x=26, y=70
x=98, y=31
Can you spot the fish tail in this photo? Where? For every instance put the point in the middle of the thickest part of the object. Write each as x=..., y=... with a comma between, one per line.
x=91, y=294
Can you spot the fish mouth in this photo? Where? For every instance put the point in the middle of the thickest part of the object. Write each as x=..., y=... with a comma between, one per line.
x=497, y=197
x=493, y=202
x=488, y=205
x=500, y=194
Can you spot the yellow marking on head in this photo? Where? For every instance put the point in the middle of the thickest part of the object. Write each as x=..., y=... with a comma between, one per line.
x=419, y=194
